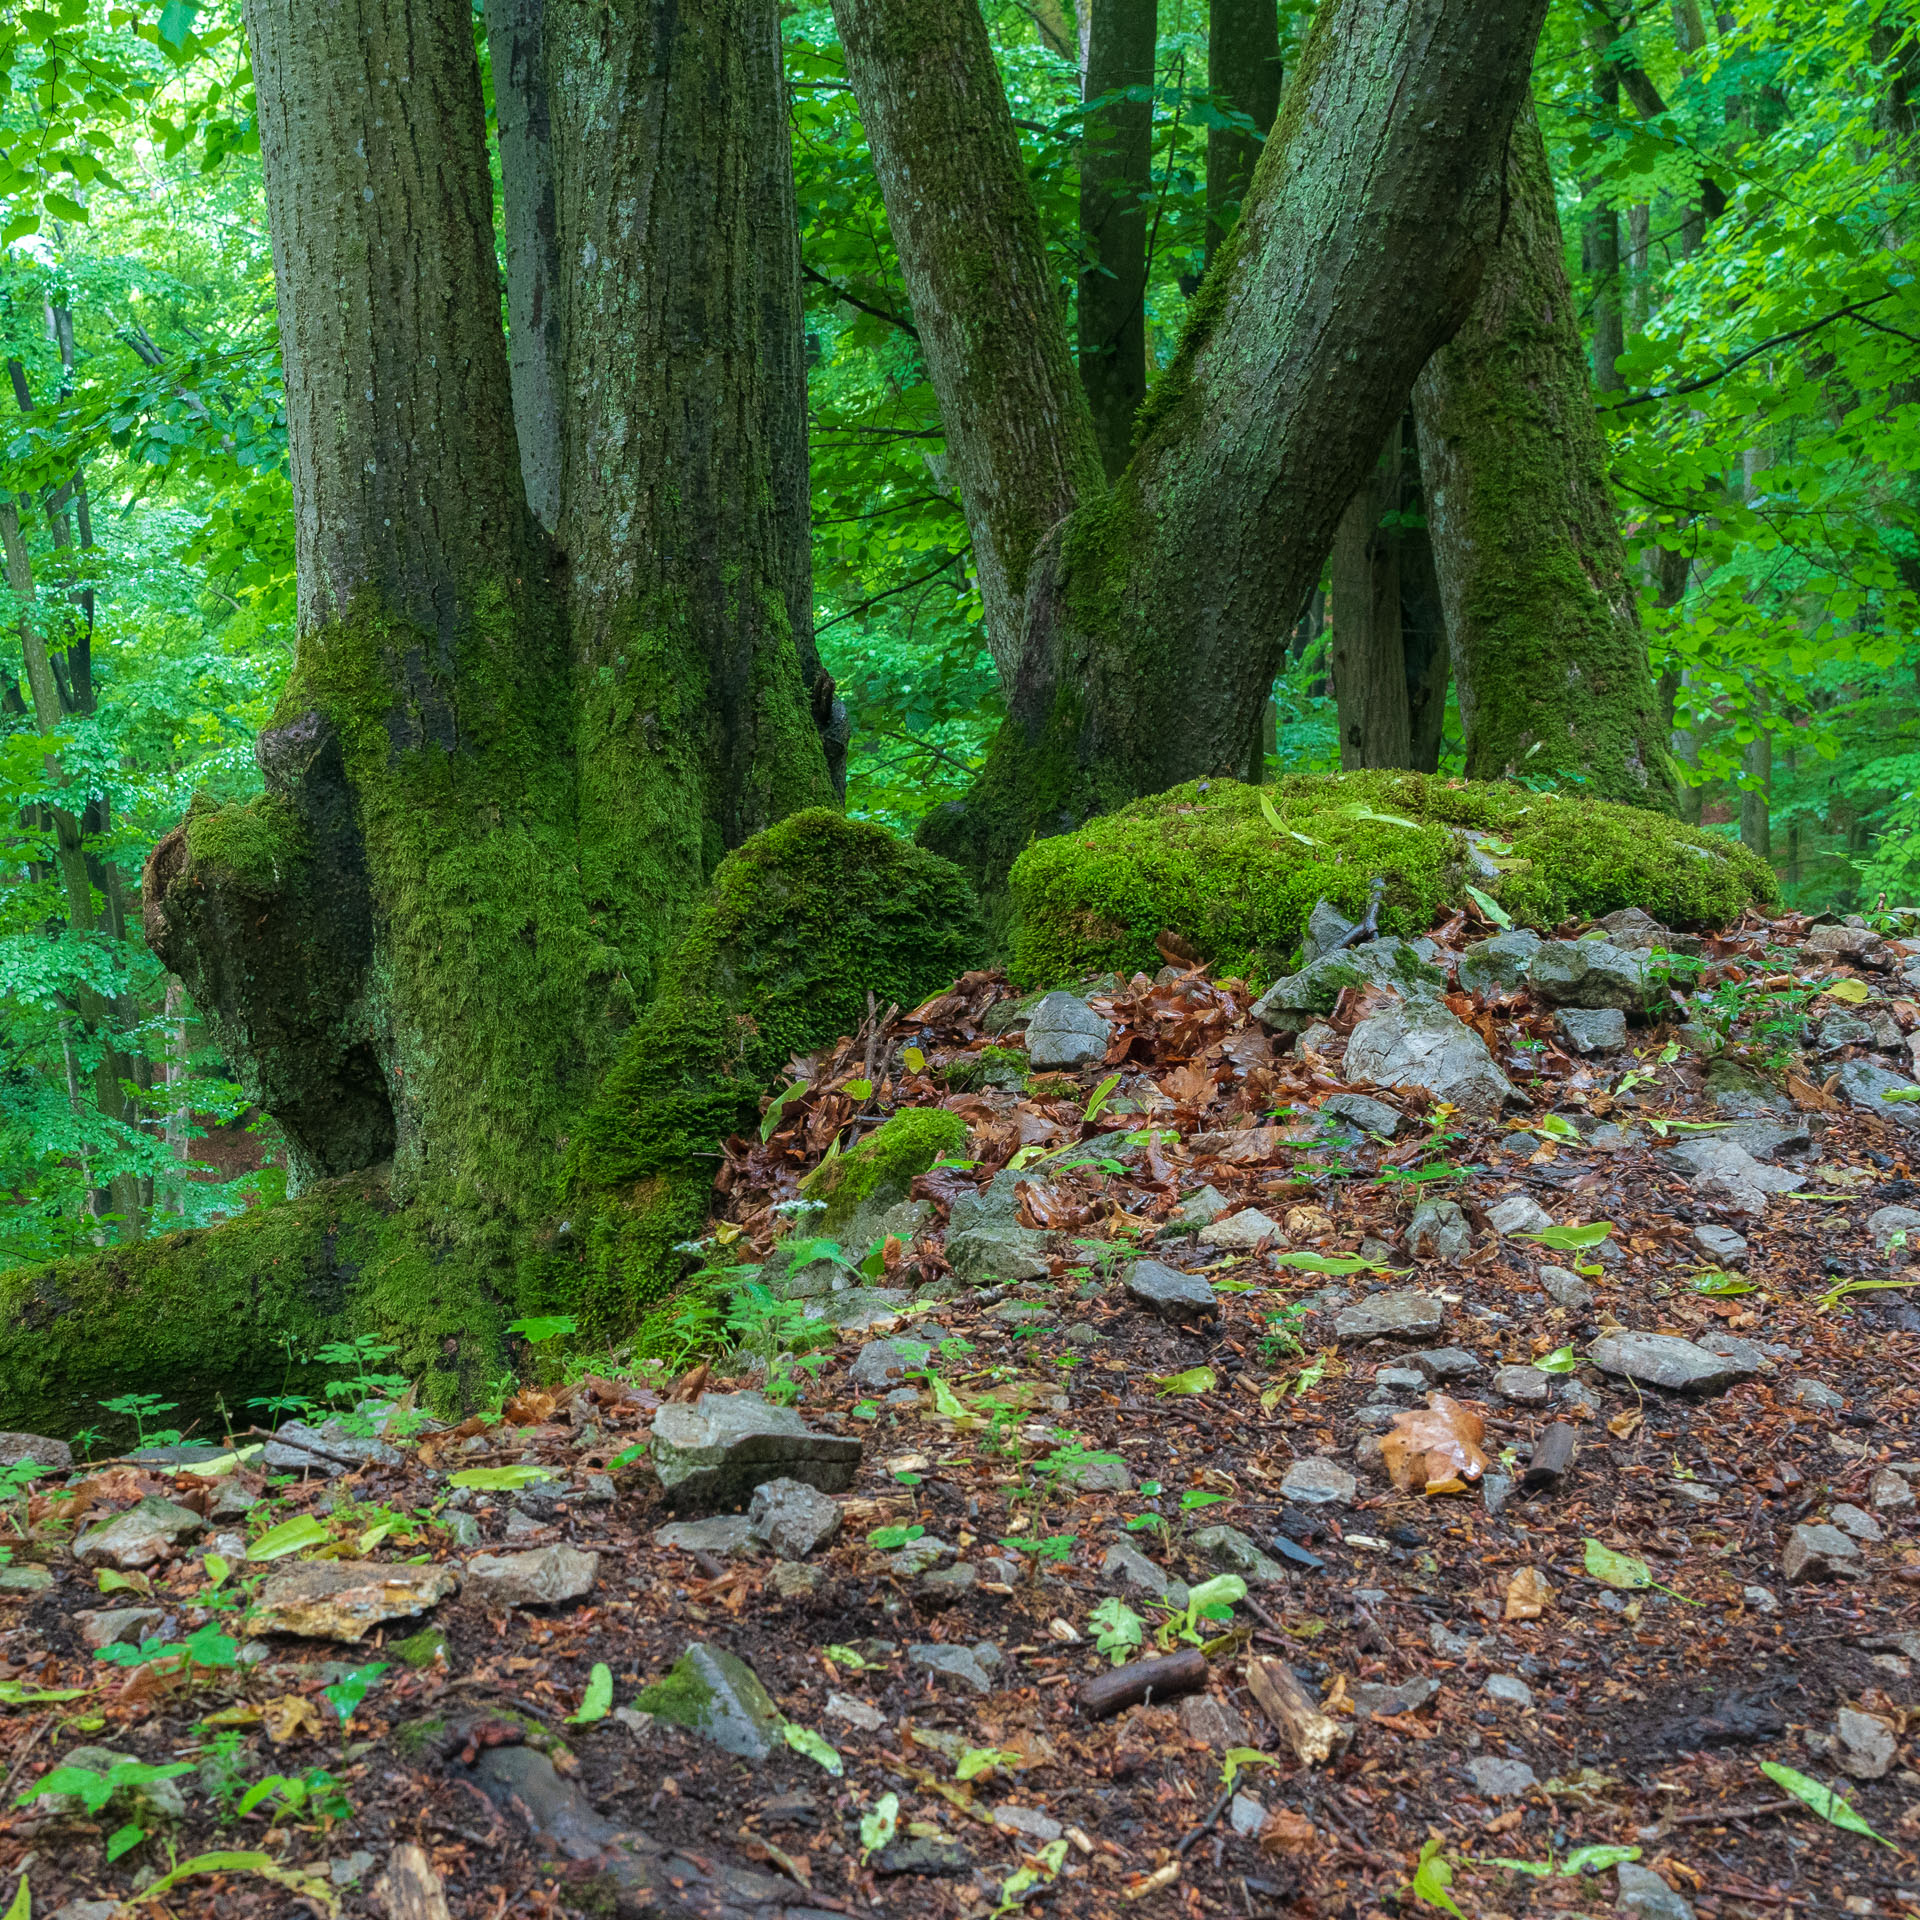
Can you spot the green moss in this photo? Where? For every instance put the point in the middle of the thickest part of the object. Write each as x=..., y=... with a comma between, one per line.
x=1204, y=861
x=990, y=1067
x=416, y=1739
x=260, y=844
x=882, y=1167
x=420, y=1650
x=681, y=1696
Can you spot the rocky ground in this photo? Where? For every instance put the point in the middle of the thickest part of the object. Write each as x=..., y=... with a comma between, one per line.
x=1437, y=1436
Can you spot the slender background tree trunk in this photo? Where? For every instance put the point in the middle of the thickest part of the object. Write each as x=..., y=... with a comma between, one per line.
x=1243, y=72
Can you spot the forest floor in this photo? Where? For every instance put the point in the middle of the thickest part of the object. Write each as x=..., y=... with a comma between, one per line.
x=1458, y=1678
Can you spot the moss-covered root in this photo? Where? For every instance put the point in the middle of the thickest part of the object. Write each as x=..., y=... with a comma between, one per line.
x=802, y=922
x=1206, y=861
x=881, y=1168
x=236, y=1311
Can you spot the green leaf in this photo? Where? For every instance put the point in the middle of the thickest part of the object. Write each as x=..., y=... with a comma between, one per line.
x=978, y=1760
x=1433, y=1876
x=1237, y=1757
x=21, y=1906
x=1560, y=1360
x=1385, y=819
x=913, y=1059
x=1223, y=1590
x=1494, y=912
x=124, y=1840
x=1590, y=1235
x=1332, y=1263
x=1850, y=991
x=770, y=1121
x=351, y=1689
x=846, y=1657
x=945, y=1401
x=1597, y=1859
x=891, y=1539
x=597, y=1702
x=1194, y=1498
x=878, y=1827
x=176, y=21
x=857, y=1089
x=1556, y=1126
x=18, y=1693
x=1620, y=1570
x=1823, y=1800
x=1117, y=1629
x=805, y=1740
x=217, y=1571
x=522, y=1473
x=1722, y=1285
x=1901, y=1093
x=540, y=1328
x=291, y=1536
x=1100, y=1095
x=1194, y=1380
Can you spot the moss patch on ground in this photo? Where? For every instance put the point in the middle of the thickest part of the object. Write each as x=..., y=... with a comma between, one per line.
x=1206, y=862
x=881, y=1168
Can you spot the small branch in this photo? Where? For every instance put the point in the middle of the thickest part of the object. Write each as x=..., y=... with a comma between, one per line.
x=873, y=600
x=853, y=300
x=925, y=746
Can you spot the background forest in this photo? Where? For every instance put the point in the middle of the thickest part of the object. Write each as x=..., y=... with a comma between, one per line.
x=1736, y=189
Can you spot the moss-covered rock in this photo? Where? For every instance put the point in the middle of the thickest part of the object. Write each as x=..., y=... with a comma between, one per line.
x=1206, y=862
x=881, y=1168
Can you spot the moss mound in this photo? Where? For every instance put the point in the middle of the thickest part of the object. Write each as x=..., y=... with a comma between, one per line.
x=881, y=1168
x=1206, y=862
x=802, y=922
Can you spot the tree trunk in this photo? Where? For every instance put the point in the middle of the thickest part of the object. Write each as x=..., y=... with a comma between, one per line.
x=1243, y=72
x=986, y=300
x=1600, y=250
x=1542, y=620
x=1756, y=797
x=1116, y=181
x=1423, y=643
x=1158, y=613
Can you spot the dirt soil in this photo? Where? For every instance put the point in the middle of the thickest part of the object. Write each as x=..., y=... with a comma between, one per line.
x=478, y=1776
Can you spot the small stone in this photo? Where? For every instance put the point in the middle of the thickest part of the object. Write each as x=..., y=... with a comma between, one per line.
x=1064, y=1032
x=1403, y=1315
x=1498, y=1779
x=1863, y=1745
x=1589, y=973
x=1895, y=1229
x=1290, y=1003
x=1720, y=1243
x=946, y=1586
x=1399, y=1379
x=117, y=1626
x=1083, y=1333
x=345, y=1600
x=1737, y=1089
x=725, y=1533
x=792, y=1518
x=1212, y=1722
x=1021, y=1313
x=999, y=1255
x=1446, y=1363
x=1692, y=1493
x=856, y=1713
x=722, y=1446
x=1246, y=1816
x=1841, y=939
x=1169, y=1292
x=1319, y=1482
x=463, y=1530
x=1095, y=1474
x=1634, y=929
x=885, y=1363
x=1240, y=1231
x=1510, y=1690
x=1865, y=1084
x=1863, y=1526
x=147, y=1532
x=1199, y=1209
x=1228, y=1550
x=290, y=1449
x=1370, y=1116
x=1815, y=1393
x=715, y=1693
x=1760, y=1599
x=1524, y=1386
x=352, y=1868
x=1890, y=1493
x=1128, y=1569
x=1423, y=1045
x=1449, y=1644
x=1594, y=1029
x=25, y=1579
x=1439, y=1231
x=1641, y=1891
x=1409, y=1696
x=55, y=1455
x=1518, y=1214
x=1037, y=1826
x=1566, y=1289
x=1495, y=1490
x=547, y=1577
x=1816, y=1552
x=794, y=1581
x=1499, y=963
x=952, y=1663
x=1666, y=1361
x=232, y=1502
x=1748, y=1355
x=919, y=1556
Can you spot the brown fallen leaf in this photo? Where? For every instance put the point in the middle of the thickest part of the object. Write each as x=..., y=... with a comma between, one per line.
x=1528, y=1595
x=1435, y=1448
x=291, y=1717
x=1288, y=1832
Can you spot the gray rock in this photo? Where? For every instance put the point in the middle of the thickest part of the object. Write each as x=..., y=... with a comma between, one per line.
x=1747, y=1354
x=1710, y=1155
x=870, y=1226
x=1399, y=1380
x=289, y=1448
x=1041, y=1828
x=1423, y=1045
x=1395, y=1316
x=1510, y=1690
x=1594, y=1029
x=1524, y=1386
x=722, y=1446
x=792, y=1518
x=1203, y=1208
x=1228, y=1550
x=147, y=1532
x=25, y=1579
x=1289, y=1005
x=1498, y=1779
x=1408, y=1696
x=1641, y=1891
x=1895, y=1229
x=1319, y=1482
x=1370, y=1116
x=1439, y=1231
x=1449, y=1644
x=232, y=1502
x=863, y=1309
x=885, y=1363
x=1590, y=974
x=1169, y=1292
x=1817, y=1552
x=1130, y=1571
x=712, y=1692
x=116, y=1626
x=55, y=1455
x=1766, y=1139
x=952, y=1663
x=1851, y=1519
x=1020, y=1313
x=1212, y=1722
x=1634, y=929
x=1517, y=1213
x=1446, y=1363
x=1736, y=1089
x=1666, y=1361
x=998, y=1254
x=1841, y=939
x=1327, y=927
x=1083, y=1333
x=1500, y=963
x=1096, y=1474
x=543, y=1577
x=1239, y=1232
x=1890, y=1493
x=1566, y=1289
x=1723, y=1244
x=946, y=1586
x=794, y=1581
x=1246, y=1816
x=1064, y=1032
x=1839, y=1030
x=856, y=1713
x=1862, y=1745
x=996, y=1204
x=919, y=1556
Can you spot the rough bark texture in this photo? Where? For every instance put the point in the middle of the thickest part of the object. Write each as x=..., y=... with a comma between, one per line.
x=1543, y=623
x=985, y=297
x=680, y=355
x=1159, y=612
x=1116, y=178
x=1244, y=73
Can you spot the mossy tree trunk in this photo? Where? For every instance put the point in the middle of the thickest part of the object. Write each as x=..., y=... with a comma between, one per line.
x=1243, y=73
x=1156, y=615
x=1116, y=179
x=1542, y=619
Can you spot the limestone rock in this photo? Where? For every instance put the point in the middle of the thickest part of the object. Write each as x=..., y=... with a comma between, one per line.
x=1439, y=1231
x=1212, y=1721
x=1064, y=1032
x=792, y=1518
x=954, y=1663
x=1589, y=973
x=1895, y=1229
x=719, y=1448
x=147, y=1532
x=1228, y=1550
x=118, y=1626
x=1866, y=1084
x=1510, y=1690
x=1289, y=1005
x=1817, y=1552
x=885, y=1363
x=1851, y=1519
x=712, y=1692
x=1394, y=1316
x=1524, y=1386
x=1423, y=1045
x=1203, y=1208
x=338, y=1440
x=25, y=1579
x=1863, y=1745
x=1408, y=1696
x=1594, y=1029
x=725, y=1533
x=1849, y=940
x=1498, y=1779
x=1566, y=1289
x=544, y=1577
x=1666, y=1361
x=1890, y=1493
x=1643, y=1893
x=998, y=1254
x=55, y=1455
x=1240, y=1232
x=345, y=1600
x=1499, y=964
x=1518, y=1213
x=1723, y=1244
x=1446, y=1363
x=1171, y=1293
x=1129, y=1570
x=1319, y=1482
x=1737, y=1089
x=1370, y=1116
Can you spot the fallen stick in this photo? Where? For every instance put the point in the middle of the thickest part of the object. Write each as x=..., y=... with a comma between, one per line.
x=1314, y=1736
x=1138, y=1680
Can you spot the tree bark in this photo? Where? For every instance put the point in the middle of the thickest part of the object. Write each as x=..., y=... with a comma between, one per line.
x=1244, y=73
x=985, y=297
x=1116, y=182
x=1542, y=620
x=1157, y=614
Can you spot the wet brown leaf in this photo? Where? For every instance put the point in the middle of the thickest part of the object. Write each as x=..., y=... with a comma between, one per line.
x=291, y=1717
x=1528, y=1595
x=1435, y=1448
x=1288, y=1832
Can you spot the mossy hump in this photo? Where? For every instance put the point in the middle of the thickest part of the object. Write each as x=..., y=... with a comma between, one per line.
x=881, y=1168
x=1208, y=863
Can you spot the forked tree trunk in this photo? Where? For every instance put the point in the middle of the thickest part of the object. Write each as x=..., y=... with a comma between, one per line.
x=1543, y=622
x=1243, y=72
